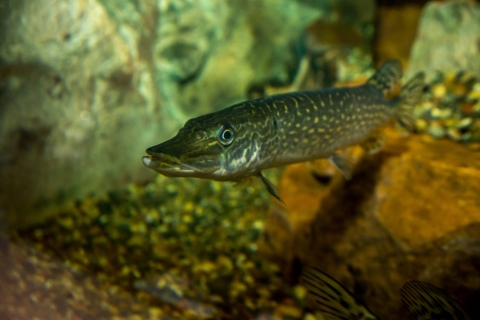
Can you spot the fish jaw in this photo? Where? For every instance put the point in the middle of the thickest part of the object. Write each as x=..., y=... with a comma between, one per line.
x=167, y=167
x=172, y=159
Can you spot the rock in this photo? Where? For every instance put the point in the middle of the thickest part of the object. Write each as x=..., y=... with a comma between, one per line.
x=209, y=53
x=78, y=103
x=448, y=39
x=87, y=86
x=395, y=29
x=412, y=211
x=341, y=43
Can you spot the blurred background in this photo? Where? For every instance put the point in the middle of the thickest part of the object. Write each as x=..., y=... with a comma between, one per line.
x=87, y=232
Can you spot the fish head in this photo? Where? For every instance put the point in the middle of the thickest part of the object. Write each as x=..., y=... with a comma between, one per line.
x=215, y=146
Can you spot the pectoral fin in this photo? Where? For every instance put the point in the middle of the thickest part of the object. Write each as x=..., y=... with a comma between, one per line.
x=343, y=164
x=270, y=186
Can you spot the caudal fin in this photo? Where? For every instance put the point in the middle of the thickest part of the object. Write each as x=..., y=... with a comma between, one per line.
x=407, y=99
x=387, y=77
x=427, y=302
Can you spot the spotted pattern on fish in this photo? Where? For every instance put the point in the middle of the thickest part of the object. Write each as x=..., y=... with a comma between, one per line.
x=243, y=139
x=387, y=77
x=427, y=302
x=314, y=124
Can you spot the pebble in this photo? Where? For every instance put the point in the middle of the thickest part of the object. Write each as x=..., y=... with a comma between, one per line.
x=423, y=109
x=421, y=124
x=299, y=292
x=454, y=134
x=152, y=218
x=466, y=137
x=437, y=113
x=465, y=122
x=436, y=131
x=310, y=316
x=476, y=109
x=439, y=90
x=475, y=93
x=66, y=222
x=290, y=311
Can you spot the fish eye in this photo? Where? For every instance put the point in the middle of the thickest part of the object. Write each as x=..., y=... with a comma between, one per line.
x=225, y=135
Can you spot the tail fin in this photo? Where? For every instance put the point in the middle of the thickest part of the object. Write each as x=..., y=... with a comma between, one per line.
x=387, y=77
x=407, y=99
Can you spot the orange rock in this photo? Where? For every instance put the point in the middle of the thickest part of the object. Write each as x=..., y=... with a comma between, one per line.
x=395, y=31
x=434, y=188
x=412, y=211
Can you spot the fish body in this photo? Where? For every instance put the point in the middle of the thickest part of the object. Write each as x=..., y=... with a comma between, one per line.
x=248, y=137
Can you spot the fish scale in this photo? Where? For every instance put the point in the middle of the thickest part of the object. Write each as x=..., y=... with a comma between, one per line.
x=242, y=140
x=315, y=124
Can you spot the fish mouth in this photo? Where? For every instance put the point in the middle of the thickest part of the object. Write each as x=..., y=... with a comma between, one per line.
x=197, y=166
x=151, y=160
x=167, y=165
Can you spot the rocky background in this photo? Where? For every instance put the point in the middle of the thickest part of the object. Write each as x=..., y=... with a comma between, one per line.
x=87, y=86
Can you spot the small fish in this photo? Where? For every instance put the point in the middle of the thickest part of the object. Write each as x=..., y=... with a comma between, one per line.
x=242, y=140
x=334, y=302
x=425, y=301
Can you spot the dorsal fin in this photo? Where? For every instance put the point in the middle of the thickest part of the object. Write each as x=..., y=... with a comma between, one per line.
x=427, y=302
x=331, y=299
x=387, y=77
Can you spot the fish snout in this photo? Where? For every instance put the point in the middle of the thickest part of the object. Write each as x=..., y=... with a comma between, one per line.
x=155, y=150
x=147, y=161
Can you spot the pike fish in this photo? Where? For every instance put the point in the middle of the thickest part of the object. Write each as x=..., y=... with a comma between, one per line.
x=242, y=140
x=334, y=302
